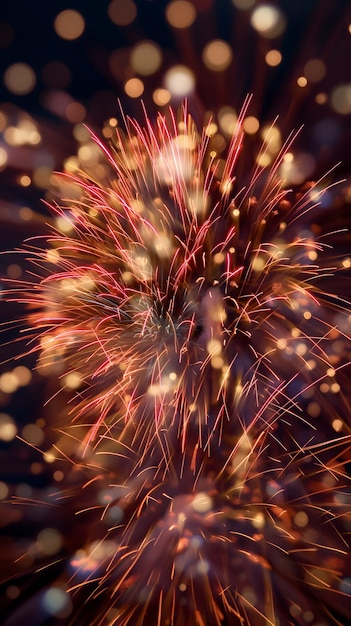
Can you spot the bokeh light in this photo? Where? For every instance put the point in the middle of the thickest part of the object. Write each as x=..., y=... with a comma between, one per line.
x=134, y=87
x=146, y=58
x=340, y=99
x=122, y=13
x=315, y=70
x=20, y=78
x=217, y=55
x=69, y=24
x=180, y=13
x=180, y=81
x=268, y=20
x=273, y=58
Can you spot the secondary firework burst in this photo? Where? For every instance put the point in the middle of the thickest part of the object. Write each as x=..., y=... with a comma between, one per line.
x=188, y=303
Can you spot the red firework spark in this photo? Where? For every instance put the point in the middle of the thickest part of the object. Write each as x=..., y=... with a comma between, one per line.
x=188, y=305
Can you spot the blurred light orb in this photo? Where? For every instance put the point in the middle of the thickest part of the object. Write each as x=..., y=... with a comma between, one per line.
x=321, y=98
x=33, y=434
x=296, y=171
x=3, y=121
x=50, y=541
x=161, y=97
x=42, y=177
x=146, y=58
x=8, y=429
x=202, y=503
x=268, y=20
x=4, y=490
x=217, y=55
x=179, y=80
x=57, y=602
x=340, y=99
x=314, y=70
x=272, y=137
x=69, y=24
x=180, y=14
x=273, y=58
x=3, y=158
x=122, y=13
x=75, y=112
x=251, y=125
x=26, y=214
x=227, y=119
x=134, y=87
x=20, y=79
x=24, y=180
x=302, y=81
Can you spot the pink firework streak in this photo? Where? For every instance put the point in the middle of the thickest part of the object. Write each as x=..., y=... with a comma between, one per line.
x=189, y=304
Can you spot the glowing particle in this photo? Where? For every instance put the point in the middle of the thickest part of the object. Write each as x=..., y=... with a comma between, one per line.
x=4, y=490
x=268, y=20
x=340, y=99
x=313, y=409
x=203, y=567
x=179, y=80
x=301, y=519
x=321, y=98
x=12, y=592
x=25, y=180
x=20, y=79
x=56, y=602
x=314, y=70
x=8, y=382
x=33, y=434
x=8, y=428
x=161, y=97
x=251, y=125
x=3, y=157
x=14, y=271
x=69, y=24
x=25, y=213
x=202, y=503
x=273, y=58
x=122, y=13
x=301, y=349
x=258, y=263
x=134, y=87
x=146, y=58
x=58, y=475
x=302, y=81
x=180, y=13
x=217, y=55
x=49, y=456
x=50, y=541
x=337, y=425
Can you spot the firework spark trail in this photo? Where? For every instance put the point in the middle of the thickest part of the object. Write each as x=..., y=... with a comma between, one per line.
x=189, y=305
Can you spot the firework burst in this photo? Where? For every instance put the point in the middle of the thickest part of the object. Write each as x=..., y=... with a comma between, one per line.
x=187, y=304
